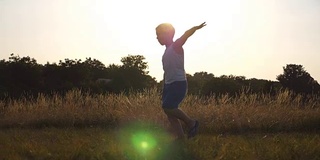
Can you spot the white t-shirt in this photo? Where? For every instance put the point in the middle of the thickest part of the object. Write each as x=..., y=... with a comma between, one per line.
x=173, y=66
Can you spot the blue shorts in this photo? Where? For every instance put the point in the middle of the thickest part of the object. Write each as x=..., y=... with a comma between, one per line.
x=173, y=94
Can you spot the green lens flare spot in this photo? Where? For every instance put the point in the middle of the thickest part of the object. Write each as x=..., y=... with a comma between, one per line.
x=143, y=142
x=144, y=145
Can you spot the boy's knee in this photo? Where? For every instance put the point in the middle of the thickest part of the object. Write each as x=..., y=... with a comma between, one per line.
x=169, y=114
x=168, y=111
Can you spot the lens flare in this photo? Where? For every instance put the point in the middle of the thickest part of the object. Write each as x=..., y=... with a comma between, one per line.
x=144, y=145
x=143, y=141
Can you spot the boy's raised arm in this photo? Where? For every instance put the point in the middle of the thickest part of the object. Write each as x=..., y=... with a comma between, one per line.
x=182, y=40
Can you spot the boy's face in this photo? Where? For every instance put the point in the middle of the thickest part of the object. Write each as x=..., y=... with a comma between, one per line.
x=163, y=37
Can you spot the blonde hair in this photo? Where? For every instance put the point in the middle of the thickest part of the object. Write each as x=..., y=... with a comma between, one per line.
x=166, y=28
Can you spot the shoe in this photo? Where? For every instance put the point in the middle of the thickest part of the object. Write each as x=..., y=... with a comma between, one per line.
x=194, y=130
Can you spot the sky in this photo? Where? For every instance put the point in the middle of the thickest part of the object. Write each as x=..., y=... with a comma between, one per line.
x=250, y=38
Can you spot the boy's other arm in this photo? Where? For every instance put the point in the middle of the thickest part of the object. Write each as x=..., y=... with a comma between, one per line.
x=182, y=40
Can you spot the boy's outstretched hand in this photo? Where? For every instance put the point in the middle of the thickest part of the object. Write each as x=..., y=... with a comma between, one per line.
x=201, y=25
x=180, y=42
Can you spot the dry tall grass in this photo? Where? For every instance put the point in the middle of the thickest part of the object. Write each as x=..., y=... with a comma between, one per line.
x=246, y=112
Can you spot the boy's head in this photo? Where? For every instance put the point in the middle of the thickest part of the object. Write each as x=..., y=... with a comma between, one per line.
x=165, y=33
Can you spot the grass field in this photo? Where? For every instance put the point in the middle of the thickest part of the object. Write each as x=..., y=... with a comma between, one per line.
x=83, y=126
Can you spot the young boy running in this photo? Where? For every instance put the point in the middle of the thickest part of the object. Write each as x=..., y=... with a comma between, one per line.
x=175, y=82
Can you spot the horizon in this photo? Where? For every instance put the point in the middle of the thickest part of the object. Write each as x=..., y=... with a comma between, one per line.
x=158, y=81
x=281, y=33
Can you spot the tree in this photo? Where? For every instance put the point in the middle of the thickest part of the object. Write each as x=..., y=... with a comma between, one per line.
x=222, y=85
x=132, y=75
x=21, y=75
x=135, y=61
x=69, y=74
x=4, y=81
x=197, y=81
x=297, y=79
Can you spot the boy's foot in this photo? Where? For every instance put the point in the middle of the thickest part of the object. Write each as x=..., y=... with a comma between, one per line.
x=194, y=130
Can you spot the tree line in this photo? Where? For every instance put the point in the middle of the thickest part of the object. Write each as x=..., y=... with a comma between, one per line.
x=23, y=76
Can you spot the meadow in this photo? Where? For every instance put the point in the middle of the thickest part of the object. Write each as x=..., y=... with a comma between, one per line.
x=79, y=125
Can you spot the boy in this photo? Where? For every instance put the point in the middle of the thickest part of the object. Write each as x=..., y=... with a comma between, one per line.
x=175, y=82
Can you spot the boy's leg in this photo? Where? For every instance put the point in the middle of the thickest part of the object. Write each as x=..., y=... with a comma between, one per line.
x=172, y=96
x=178, y=114
x=176, y=126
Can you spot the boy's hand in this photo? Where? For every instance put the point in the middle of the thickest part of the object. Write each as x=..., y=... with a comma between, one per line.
x=201, y=25
x=180, y=41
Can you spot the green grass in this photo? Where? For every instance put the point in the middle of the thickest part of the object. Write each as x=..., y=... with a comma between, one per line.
x=83, y=126
x=102, y=143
